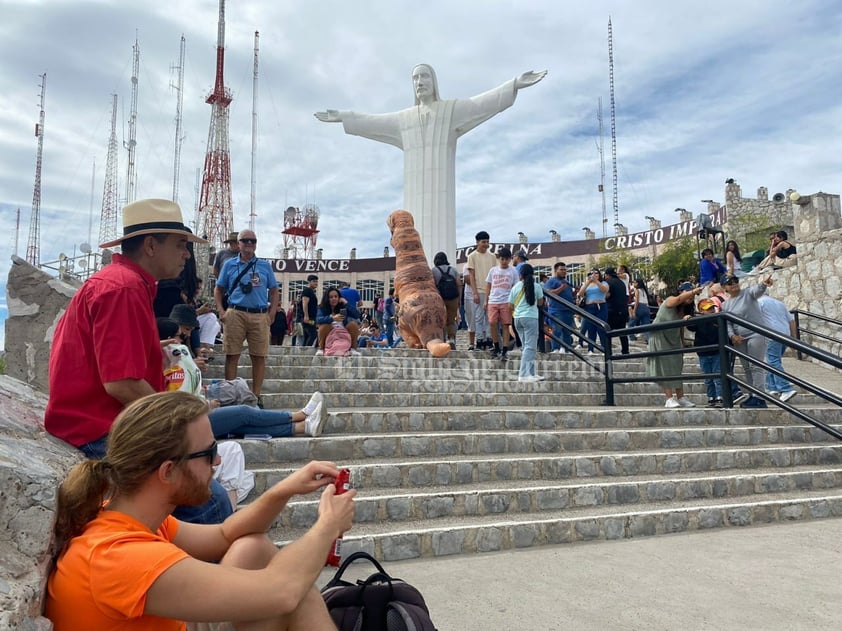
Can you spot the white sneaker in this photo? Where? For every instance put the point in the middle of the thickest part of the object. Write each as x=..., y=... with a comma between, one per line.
x=319, y=352
x=686, y=403
x=528, y=379
x=786, y=396
x=539, y=377
x=355, y=352
x=773, y=393
x=742, y=398
x=314, y=424
x=672, y=402
x=317, y=398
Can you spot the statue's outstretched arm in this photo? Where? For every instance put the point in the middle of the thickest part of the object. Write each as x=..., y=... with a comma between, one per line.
x=528, y=79
x=329, y=116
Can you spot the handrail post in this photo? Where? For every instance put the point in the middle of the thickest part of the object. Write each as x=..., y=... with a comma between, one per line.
x=724, y=362
x=609, y=369
x=798, y=333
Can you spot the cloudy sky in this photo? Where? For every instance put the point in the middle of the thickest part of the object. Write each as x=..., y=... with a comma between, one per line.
x=704, y=91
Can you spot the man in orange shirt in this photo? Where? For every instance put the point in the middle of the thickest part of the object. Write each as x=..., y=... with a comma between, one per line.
x=129, y=564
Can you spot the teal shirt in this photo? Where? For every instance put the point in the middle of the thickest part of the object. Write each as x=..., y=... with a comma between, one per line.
x=523, y=309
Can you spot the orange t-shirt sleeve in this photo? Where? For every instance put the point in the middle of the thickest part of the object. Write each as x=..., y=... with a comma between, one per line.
x=138, y=560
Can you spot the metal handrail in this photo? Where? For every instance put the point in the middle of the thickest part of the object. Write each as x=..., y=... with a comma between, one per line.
x=726, y=350
x=798, y=313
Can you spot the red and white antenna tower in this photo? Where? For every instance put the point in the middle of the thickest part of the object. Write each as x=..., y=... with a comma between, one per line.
x=131, y=145
x=33, y=245
x=110, y=197
x=301, y=231
x=179, y=137
x=215, y=207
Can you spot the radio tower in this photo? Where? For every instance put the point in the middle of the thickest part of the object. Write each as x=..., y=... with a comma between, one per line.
x=601, y=148
x=253, y=213
x=215, y=208
x=110, y=200
x=131, y=175
x=33, y=246
x=613, y=123
x=179, y=138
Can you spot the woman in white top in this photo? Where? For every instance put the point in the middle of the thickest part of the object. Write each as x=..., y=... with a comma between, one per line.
x=732, y=259
x=639, y=312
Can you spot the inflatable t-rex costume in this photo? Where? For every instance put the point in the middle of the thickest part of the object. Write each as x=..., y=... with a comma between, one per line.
x=422, y=313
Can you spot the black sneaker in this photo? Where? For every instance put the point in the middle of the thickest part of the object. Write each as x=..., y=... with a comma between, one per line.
x=495, y=353
x=471, y=347
x=753, y=402
x=717, y=403
x=452, y=346
x=711, y=403
x=504, y=355
x=260, y=402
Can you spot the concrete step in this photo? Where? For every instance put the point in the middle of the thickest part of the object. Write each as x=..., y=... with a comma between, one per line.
x=518, y=394
x=474, y=534
x=384, y=472
x=361, y=447
x=496, y=499
x=467, y=418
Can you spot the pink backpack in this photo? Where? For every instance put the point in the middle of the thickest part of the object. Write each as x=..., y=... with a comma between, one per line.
x=338, y=341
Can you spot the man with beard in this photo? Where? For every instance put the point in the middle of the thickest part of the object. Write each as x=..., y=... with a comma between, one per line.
x=129, y=563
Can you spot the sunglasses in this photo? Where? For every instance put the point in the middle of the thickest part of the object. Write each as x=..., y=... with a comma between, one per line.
x=248, y=240
x=209, y=453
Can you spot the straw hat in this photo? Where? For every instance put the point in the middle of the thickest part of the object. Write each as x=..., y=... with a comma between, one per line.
x=153, y=216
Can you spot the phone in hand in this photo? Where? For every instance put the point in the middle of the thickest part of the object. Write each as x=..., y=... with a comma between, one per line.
x=343, y=312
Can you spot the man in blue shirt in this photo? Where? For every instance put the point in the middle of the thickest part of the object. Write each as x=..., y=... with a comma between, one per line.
x=558, y=286
x=251, y=286
x=351, y=295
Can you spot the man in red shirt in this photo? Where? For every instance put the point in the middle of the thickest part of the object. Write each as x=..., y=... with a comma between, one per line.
x=106, y=352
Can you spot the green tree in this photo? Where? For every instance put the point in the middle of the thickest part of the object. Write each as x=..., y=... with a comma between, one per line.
x=676, y=261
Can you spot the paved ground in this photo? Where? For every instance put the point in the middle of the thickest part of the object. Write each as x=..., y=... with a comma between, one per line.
x=765, y=577
x=777, y=577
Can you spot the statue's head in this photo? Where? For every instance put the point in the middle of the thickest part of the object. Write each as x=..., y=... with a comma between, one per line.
x=424, y=84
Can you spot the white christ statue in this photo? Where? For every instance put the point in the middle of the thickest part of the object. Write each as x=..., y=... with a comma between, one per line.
x=427, y=134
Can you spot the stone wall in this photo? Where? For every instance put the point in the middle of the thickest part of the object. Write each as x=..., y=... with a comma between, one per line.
x=35, y=301
x=815, y=283
x=32, y=465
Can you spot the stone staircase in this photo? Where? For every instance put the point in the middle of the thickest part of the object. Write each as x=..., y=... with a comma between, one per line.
x=454, y=456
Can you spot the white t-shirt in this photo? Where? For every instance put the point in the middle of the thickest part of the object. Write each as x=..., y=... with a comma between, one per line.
x=502, y=281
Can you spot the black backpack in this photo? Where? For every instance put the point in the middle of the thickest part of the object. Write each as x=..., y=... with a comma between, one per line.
x=447, y=285
x=379, y=603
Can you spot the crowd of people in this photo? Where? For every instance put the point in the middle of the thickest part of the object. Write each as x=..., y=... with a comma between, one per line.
x=158, y=496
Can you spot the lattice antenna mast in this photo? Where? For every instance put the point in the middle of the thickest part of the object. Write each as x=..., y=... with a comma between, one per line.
x=17, y=231
x=215, y=207
x=131, y=145
x=33, y=245
x=601, y=148
x=110, y=197
x=179, y=136
x=613, y=123
x=253, y=213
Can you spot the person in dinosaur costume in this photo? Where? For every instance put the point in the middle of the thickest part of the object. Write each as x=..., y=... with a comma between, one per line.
x=421, y=315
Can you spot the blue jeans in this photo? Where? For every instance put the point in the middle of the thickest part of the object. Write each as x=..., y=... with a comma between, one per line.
x=527, y=328
x=642, y=316
x=592, y=330
x=774, y=352
x=559, y=331
x=710, y=363
x=390, y=331
x=214, y=511
x=244, y=419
